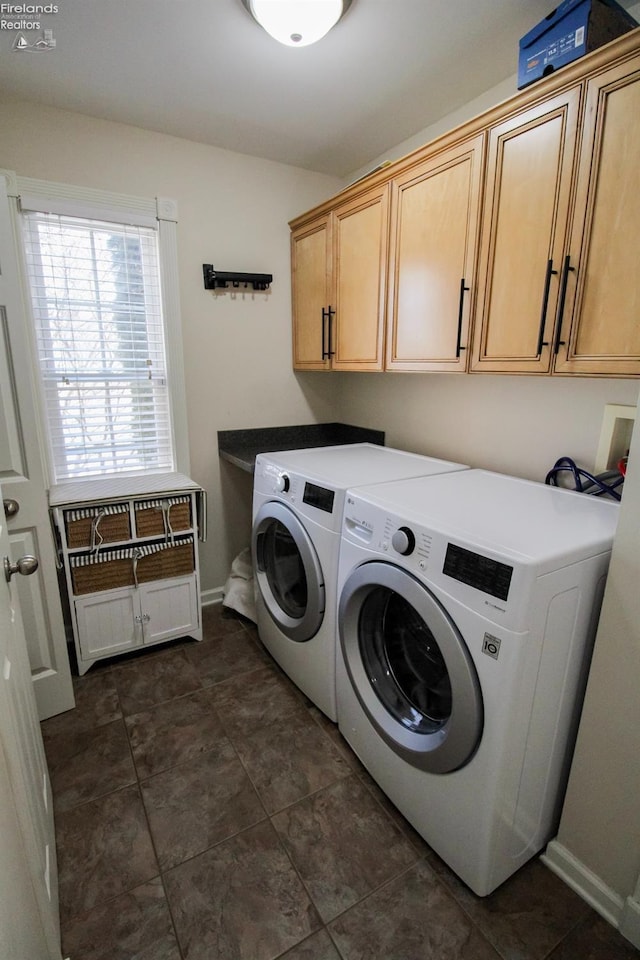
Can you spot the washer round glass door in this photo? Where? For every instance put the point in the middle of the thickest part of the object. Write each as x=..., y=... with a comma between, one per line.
x=410, y=668
x=288, y=571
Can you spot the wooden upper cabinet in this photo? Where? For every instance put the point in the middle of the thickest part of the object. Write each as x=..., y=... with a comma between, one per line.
x=600, y=329
x=526, y=208
x=506, y=246
x=311, y=265
x=360, y=250
x=339, y=276
x=434, y=227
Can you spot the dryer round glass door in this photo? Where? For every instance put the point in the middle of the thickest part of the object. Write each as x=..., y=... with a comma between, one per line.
x=410, y=668
x=288, y=571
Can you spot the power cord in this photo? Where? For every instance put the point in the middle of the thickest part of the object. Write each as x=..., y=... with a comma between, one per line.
x=600, y=485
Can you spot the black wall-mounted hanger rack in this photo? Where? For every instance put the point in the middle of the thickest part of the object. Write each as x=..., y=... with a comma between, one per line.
x=216, y=278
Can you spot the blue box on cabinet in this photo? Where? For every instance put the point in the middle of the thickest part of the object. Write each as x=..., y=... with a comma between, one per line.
x=574, y=28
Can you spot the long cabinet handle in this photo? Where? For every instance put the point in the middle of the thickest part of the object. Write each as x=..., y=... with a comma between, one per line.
x=545, y=303
x=330, y=351
x=327, y=352
x=325, y=317
x=566, y=270
x=463, y=288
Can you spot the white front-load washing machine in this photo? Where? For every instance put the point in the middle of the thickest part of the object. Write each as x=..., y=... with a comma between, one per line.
x=467, y=610
x=298, y=497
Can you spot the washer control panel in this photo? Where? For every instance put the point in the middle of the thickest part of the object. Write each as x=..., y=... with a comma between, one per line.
x=489, y=581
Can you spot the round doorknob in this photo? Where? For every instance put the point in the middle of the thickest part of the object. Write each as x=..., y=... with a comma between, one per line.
x=11, y=507
x=25, y=566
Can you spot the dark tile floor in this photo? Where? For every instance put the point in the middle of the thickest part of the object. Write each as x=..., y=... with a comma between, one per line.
x=206, y=811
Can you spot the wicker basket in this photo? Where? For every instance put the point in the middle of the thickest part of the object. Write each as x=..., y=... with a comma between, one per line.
x=92, y=574
x=176, y=561
x=150, y=518
x=111, y=527
x=102, y=576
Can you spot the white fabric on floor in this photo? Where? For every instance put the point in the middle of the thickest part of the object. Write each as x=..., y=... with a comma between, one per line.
x=239, y=588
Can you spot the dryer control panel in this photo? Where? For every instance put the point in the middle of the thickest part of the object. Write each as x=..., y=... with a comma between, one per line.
x=317, y=502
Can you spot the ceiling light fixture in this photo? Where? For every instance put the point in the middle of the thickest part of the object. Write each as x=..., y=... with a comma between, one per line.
x=297, y=23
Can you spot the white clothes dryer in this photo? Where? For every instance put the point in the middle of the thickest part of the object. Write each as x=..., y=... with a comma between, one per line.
x=298, y=499
x=467, y=609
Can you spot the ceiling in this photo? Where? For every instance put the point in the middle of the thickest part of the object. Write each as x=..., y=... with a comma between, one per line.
x=204, y=70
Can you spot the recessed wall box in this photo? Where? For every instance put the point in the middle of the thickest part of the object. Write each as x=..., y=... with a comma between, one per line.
x=615, y=436
x=574, y=28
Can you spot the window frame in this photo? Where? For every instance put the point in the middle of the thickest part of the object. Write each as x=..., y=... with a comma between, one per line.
x=65, y=199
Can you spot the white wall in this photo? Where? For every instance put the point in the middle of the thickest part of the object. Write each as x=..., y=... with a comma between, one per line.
x=233, y=212
x=600, y=823
x=484, y=101
x=518, y=425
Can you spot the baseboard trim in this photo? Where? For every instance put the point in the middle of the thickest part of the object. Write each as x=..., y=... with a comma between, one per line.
x=585, y=882
x=215, y=595
x=630, y=922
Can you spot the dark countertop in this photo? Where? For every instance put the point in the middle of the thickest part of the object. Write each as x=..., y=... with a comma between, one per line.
x=241, y=447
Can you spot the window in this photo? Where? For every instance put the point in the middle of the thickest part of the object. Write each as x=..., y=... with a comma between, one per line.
x=100, y=340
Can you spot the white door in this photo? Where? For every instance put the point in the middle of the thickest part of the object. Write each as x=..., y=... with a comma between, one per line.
x=29, y=925
x=22, y=477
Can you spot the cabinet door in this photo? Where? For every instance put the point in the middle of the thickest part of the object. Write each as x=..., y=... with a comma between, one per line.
x=360, y=249
x=600, y=331
x=107, y=623
x=311, y=293
x=169, y=609
x=527, y=195
x=434, y=226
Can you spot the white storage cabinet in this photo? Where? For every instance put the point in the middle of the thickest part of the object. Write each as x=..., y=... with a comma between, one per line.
x=130, y=561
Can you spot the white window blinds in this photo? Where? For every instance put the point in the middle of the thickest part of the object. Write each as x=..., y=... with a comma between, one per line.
x=95, y=289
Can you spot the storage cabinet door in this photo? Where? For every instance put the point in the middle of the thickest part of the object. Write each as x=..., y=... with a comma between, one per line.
x=311, y=293
x=107, y=623
x=169, y=609
x=600, y=332
x=434, y=226
x=361, y=243
x=528, y=190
